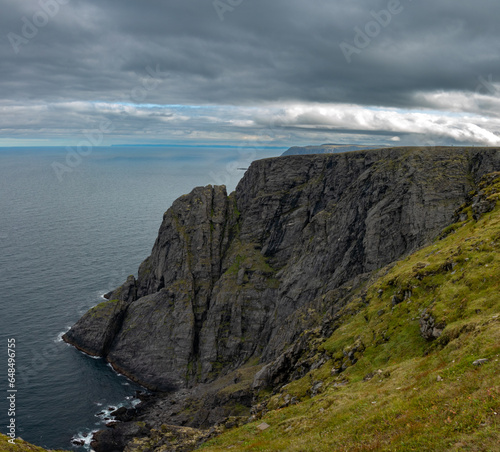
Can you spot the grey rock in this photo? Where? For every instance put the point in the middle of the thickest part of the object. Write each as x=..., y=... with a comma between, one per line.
x=95, y=331
x=480, y=362
x=116, y=438
x=395, y=300
x=327, y=149
x=240, y=277
x=429, y=329
x=316, y=388
x=481, y=205
x=263, y=426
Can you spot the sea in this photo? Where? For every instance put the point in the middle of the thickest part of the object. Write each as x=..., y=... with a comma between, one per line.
x=73, y=226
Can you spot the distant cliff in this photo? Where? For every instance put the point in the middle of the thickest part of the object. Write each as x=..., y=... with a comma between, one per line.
x=231, y=279
x=327, y=149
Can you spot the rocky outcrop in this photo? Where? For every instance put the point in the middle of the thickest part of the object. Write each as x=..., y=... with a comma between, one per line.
x=484, y=201
x=239, y=277
x=429, y=329
x=327, y=149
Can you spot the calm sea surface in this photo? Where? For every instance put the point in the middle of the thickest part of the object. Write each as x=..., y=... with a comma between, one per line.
x=66, y=238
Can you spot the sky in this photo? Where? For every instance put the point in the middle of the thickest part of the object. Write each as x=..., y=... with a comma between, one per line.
x=249, y=72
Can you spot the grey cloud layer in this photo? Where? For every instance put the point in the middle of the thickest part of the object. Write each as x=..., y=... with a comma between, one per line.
x=262, y=53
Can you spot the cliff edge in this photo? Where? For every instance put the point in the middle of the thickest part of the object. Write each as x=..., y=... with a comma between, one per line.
x=236, y=279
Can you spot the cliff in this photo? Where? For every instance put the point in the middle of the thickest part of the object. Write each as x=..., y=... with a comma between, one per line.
x=327, y=149
x=236, y=279
x=413, y=364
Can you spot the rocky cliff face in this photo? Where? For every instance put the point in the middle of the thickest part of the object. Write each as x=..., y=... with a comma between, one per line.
x=237, y=278
x=327, y=149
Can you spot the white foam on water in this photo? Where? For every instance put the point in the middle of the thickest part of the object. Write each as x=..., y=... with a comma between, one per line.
x=60, y=335
x=90, y=356
x=83, y=439
x=105, y=414
x=127, y=383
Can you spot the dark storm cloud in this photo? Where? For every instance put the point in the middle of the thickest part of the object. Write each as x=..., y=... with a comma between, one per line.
x=263, y=52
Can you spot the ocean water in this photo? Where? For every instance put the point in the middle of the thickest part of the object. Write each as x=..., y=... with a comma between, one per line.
x=71, y=229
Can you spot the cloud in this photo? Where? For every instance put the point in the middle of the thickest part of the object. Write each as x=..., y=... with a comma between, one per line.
x=434, y=69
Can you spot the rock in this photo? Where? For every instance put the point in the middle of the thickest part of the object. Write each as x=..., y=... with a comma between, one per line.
x=241, y=277
x=326, y=149
x=369, y=376
x=171, y=438
x=263, y=426
x=316, y=388
x=124, y=414
x=480, y=362
x=395, y=300
x=429, y=329
x=481, y=205
x=116, y=438
x=234, y=421
x=262, y=378
x=319, y=363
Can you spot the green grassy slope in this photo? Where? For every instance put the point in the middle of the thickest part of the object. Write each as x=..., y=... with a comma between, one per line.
x=19, y=446
x=400, y=391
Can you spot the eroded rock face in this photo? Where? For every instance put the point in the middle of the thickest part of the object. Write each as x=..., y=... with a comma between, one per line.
x=429, y=328
x=236, y=277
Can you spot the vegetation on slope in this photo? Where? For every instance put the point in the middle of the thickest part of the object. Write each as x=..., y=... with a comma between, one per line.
x=19, y=446
x=416, y=369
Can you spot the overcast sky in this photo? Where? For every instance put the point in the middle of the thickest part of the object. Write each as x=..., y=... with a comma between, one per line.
x=250, y=72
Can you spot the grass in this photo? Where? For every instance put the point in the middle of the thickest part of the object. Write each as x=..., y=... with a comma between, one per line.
x=103, y=309
x=19, y=446
x=402, y=392
x=397, y=391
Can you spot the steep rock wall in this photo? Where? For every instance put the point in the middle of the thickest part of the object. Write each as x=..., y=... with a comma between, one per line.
x=231, y=278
